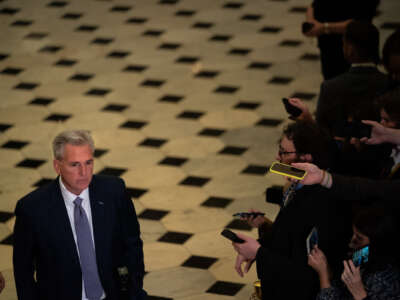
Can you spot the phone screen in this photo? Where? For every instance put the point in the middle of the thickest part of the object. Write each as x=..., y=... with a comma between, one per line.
x=361, y=256
x=287, y=170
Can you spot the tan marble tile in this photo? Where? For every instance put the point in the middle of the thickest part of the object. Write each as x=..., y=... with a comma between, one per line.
x=224, y=269
x=154, y=176
x=9, y=291
x=159, y=256
x=5, y=257
x=229, y=119
x=151, y=231
x=9, y=158
x=192, y=146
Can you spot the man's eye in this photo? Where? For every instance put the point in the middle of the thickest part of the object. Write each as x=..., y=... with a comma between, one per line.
x=74, y=164
x=89, y=162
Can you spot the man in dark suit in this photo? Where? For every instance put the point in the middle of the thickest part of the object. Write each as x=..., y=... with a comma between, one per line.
x=72, y=236
x=352, y=93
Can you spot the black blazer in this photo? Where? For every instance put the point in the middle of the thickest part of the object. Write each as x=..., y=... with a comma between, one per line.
x=44, y=243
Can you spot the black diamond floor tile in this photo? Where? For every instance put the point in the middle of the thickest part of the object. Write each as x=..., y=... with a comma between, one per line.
x=298, y=9
x=36, y=35
x=135, y=68
x=115, y=107
x=152, y=83
x=8, y=240
x=239, y=51
x=290, y=43
x=269, y=122
x=26, y=86
x=22, y=23
x=11, y=71
x=153, y=33
x=169, y=46
x=102, y=41
x=203, y=25
x=225, y=288
x=3, y=56
x=185, y=13
x=152, y=142
x=4, y=127
x=50, y=49
x=232, y=150
x=57, y=117
x=66, y=62
x=133, y=124
x=135, y=193
x=259, y=65
x=42, y=101
x=303, y=96
x=199, y=262
x=220, y=38
x=136, y=20
x=188, y=114
x=213, y=132
x=12, y=144
x=175, y=237
x=270, y=29
x=251, y=17
x=187, y=59
x=42, y=182
x=30, y=163
x=280, y=80
x=5, y=216
x=226, y=89
x=310, y=57
x=153, y=214
x=168, y=2
x=207, y=74
x=247, y=105
x=151, y=297
x=57, y=4
x=87, y=28
x=233, y=5
x=195, y=181
x=99, y=152
x=110, y=171
x=8, y=11
x=173, y=161
x=239, y=225
x=118, y=54
x=217, y=202
x=72, y=16
x=255, y=170
x=171, y=98
x=81, y=77
x=120, y=8
x=97, y=92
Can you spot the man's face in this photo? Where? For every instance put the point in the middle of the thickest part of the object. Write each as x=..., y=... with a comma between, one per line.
x=75, y=168
x=358, y=240
x=287, y=152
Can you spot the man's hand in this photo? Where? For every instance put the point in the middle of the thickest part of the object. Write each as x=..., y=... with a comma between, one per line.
x=352, y=279
x=316, y=30
x=255, y=221
x=314, y=174
x=2, y=282
x=240, y=259
x=305, y=112
x=379, y=134
x=248, y=249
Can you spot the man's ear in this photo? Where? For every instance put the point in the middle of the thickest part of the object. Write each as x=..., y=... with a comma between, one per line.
x=306, y=157
x=56, y=166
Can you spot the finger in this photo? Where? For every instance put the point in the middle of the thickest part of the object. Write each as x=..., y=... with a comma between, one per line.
x=346, y=268
x=248, y=266
x=352, y=266
x=238, y=266
x=369, y=122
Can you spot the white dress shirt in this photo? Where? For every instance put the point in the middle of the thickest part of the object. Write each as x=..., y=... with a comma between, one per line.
x=69, y=205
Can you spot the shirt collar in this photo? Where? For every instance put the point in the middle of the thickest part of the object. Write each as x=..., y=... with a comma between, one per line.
x=70, y=197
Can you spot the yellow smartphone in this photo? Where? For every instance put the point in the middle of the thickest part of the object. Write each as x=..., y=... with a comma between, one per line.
x=287, y=170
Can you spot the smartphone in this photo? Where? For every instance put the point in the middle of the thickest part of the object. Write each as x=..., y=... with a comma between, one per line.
x=230, y=235
x=287, y=170
x=306, y=27
x=291, y=109
x=361, y=256
x=248, y=214
x=312, y=240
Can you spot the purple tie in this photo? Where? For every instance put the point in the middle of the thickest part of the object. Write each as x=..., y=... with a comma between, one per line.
x=87, y=255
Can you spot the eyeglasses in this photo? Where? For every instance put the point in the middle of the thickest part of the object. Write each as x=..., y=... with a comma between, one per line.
x=283, y=152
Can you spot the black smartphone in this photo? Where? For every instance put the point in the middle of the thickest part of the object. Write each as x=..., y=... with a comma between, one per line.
x=287, y=170
x=361, y=256
x=306, y=27
x=230, y=235
x=291, y=109
x=248, y=214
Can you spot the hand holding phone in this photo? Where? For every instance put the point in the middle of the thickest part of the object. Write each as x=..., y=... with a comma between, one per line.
x=306, y=27
x=230, y=235
x=287, y=170
x=292, y=110
x=361, y=256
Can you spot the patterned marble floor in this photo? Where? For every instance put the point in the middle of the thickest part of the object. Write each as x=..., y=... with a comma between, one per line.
x=183, y=98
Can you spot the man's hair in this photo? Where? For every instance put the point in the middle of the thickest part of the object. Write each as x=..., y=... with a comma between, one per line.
x=390, y=102
x=72, y=137
x=308, y=138
x=391, y=47
x=364, y=36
